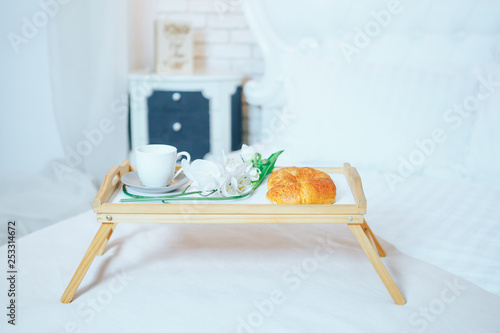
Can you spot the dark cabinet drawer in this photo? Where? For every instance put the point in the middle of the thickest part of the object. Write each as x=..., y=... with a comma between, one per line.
x=180, y=119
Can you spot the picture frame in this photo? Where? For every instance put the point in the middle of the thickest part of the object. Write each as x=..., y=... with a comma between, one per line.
x=174, y=47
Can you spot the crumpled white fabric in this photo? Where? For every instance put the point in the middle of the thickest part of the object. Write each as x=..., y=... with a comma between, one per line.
x=38, y=200
x=238, y=279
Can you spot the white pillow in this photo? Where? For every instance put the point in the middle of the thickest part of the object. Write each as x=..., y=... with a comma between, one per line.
x=382, y=117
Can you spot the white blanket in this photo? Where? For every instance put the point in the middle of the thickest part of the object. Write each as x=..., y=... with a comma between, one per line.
x=273, y=278
x=454, y=225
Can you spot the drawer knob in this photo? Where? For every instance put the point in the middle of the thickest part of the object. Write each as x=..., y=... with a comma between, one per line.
x=176, y=127
x=176, y=96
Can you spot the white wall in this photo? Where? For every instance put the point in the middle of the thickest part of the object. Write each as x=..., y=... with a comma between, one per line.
x=28, y=134
x=223, y=42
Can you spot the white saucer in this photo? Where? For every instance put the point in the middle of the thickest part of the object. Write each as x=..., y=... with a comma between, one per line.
x=132, y=180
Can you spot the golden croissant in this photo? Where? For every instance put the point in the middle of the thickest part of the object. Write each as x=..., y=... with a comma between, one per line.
x=295, y=185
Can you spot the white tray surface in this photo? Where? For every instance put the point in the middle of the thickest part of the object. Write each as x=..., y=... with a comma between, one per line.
x=344, y=195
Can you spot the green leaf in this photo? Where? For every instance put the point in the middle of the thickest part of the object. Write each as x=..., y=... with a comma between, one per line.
x=265, y=168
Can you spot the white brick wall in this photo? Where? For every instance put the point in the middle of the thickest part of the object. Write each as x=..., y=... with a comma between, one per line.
x=222, y=42
x=242, y=36
x=211, y=36
x=222, y=39
x=172, y=6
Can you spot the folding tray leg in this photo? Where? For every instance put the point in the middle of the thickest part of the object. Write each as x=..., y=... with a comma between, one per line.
x=382, y=272
x=371, y=236
x=95, y=246
x=103, y=246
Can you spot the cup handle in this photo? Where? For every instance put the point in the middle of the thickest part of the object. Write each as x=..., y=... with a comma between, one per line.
x=188, y=157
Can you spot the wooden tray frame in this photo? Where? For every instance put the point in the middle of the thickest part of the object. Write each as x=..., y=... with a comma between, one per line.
x=110, y=214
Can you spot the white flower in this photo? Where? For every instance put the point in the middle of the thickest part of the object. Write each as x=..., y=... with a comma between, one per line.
x=248, y=153
x=234, y=167
x=253, y=174
x=230, y=177
x=206, y=175
x=236, y=186
x=230, y=187
x=240, y=184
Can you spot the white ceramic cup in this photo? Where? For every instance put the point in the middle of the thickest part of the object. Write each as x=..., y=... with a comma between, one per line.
x=156, y=164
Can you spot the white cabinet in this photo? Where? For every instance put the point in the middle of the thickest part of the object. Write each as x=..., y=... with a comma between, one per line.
x=199, y=113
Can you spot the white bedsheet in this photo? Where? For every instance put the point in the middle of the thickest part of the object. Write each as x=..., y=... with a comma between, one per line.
x=220, y=278
x=453, y=225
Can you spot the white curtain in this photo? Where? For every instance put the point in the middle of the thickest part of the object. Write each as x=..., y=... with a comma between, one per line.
x=88, y=65
x=59, y=145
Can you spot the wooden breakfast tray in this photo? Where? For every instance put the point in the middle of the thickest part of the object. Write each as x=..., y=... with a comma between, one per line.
x=110, y=212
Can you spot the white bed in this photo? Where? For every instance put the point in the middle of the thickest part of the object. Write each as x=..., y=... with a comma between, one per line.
x=438, y=223
x=222, y=278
